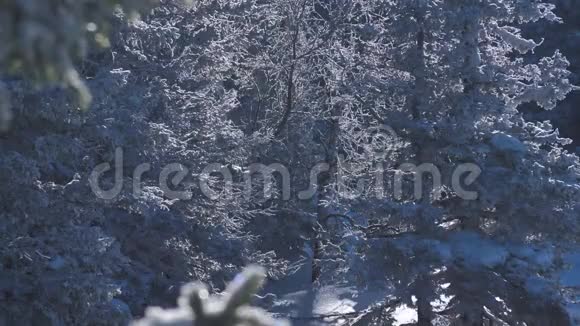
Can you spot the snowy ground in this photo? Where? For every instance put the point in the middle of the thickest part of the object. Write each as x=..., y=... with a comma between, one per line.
x=294, y=296
x=571, y=280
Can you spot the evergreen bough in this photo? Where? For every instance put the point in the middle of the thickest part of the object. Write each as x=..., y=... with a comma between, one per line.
x=41, y=39
x=196, y=307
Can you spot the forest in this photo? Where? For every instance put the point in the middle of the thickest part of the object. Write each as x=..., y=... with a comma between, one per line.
x=289, y=162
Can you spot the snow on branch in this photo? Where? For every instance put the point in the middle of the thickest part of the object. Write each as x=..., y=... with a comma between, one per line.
x=511, y=36
x=196, y=307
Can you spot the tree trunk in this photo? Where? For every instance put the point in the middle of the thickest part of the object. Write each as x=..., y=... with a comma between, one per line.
x=324, y=181
x=424, y=309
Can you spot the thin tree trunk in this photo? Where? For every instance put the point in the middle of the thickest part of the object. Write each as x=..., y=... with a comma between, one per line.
x=424, y=309
x=324, y=181
x=290, y=81
x=423, y=284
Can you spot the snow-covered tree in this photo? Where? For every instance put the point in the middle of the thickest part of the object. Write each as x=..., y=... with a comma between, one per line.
x=469, y=77
x=77, y=258
x=447, y=77
x=354, y=100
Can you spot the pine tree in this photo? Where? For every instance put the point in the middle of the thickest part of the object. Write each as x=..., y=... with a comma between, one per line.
x=469, y=77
